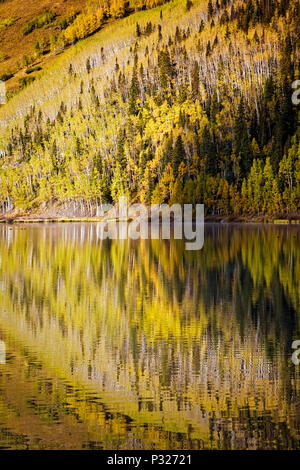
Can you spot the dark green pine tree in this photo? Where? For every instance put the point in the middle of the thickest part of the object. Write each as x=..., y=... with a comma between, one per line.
x=165, y=68
x=134, y=91
x=284, y=115
x=178, y=155
x=120, y=157
x=265, y=128
x=88, y=65
x=177, y=35
x=214, y=107
x=208, y=49
x=195, y=79
x=188, y=5
x=208, y=151
x=94, y=97
x=287, y=113
x=160, y=36
x=168, y=153
x=104, y=180
x=269, y=89
x=54, y=157
x=145, y=156
x=138, y=30
x=242, y=145
x=210, y=9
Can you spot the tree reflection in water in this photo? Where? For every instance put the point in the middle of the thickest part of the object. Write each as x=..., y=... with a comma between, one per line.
x=141, y=344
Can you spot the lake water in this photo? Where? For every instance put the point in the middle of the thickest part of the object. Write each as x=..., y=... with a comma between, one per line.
x=143, y=345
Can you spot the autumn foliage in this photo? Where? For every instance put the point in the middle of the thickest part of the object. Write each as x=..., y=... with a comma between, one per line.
x=185, y=103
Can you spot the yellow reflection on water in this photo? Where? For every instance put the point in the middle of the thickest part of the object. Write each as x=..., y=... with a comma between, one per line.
x=141, y=344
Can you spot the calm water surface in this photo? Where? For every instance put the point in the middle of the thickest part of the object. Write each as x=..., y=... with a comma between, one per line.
x=143, y=345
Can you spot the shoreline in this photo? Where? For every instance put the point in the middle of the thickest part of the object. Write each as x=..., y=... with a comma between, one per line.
x=289, y=219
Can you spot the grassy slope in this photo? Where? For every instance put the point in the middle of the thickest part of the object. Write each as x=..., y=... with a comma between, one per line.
x=13, y=44
x=116, y=38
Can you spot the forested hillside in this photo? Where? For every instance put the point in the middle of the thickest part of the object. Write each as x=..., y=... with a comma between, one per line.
x=188, y=102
